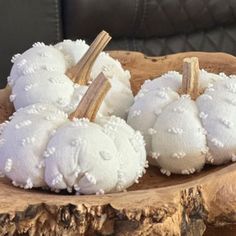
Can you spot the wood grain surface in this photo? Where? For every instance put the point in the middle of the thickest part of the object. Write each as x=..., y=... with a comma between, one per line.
x=158, y=205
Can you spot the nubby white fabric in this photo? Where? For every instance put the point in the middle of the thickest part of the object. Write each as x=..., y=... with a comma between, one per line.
x=181, y=134
x=24, y=140
x=41, y=147
x=101, y=157
x=38, y=76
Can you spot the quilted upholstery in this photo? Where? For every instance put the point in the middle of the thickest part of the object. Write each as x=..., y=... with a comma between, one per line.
x=222, y=38
x=155, y=27
x=145, y=18
x=168, y=17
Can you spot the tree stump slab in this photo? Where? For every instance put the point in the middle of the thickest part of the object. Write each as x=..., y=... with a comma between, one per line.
x=200, y=204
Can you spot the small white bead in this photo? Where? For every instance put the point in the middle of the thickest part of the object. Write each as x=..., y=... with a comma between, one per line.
x=57, y=179
x=69, y=189
x=203, y=115
x=75, y=142
x=202, y=131
x=12, y=97
x=231, y=87
x=227, y=123
x=14, y=58
x=29, y=184
x=217, y=143
x=162, y=94
x=8, y=165
x=28, y=87
x=41, y=164
x=44, y=54
x=78, y=142
x=205, y=151
x=76, y=188
x=50, y=117
x=23, y=124
x=27, y=140
x=10, y=81
x=165, y=172
x=175, y=130
x=179, y=109
x=146, y=165
x=100, y=192
x=210, y=85
x=53, y=132
x=185, y=96
x=209, y=157
x=15, y=183
x=147, y=82
x=90, y=178
x=136, y=140
x=152, y=131
x=21, y=63
x=28, y=70
x=38, y=44
x=49, y=152
x=139, y=95
x=136, y=113
x=179, y=155
x=80, y=123
x=210, y=90
x=62, y=102
x=77, y=172
x=155, y=155
x=185, y=172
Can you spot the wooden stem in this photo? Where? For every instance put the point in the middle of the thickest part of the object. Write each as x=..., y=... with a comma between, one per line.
x=92, y=99
x=190, y=81
x=80, y=73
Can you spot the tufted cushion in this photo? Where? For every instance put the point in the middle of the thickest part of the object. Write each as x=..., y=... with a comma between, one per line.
x=145, y=18
x=222, y=38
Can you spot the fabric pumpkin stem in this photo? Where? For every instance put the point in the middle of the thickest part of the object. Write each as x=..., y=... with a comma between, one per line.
x=190, y=81
x=80, y=73
x=92, y=99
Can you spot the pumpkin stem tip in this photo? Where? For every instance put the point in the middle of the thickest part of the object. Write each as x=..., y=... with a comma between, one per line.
x=92, y=99
x=190, y=80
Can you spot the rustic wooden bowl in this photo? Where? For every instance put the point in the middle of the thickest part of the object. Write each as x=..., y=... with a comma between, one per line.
x=158, y=205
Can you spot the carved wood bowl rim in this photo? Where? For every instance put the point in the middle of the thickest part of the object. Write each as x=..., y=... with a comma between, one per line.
x=162, y=194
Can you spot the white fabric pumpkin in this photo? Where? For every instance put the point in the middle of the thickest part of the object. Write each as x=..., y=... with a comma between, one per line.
x=40, y=147
x=182, y=134
x=38, y=76
x=24, y=140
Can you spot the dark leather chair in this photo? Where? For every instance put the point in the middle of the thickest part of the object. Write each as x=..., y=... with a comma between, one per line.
x=155, y=27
